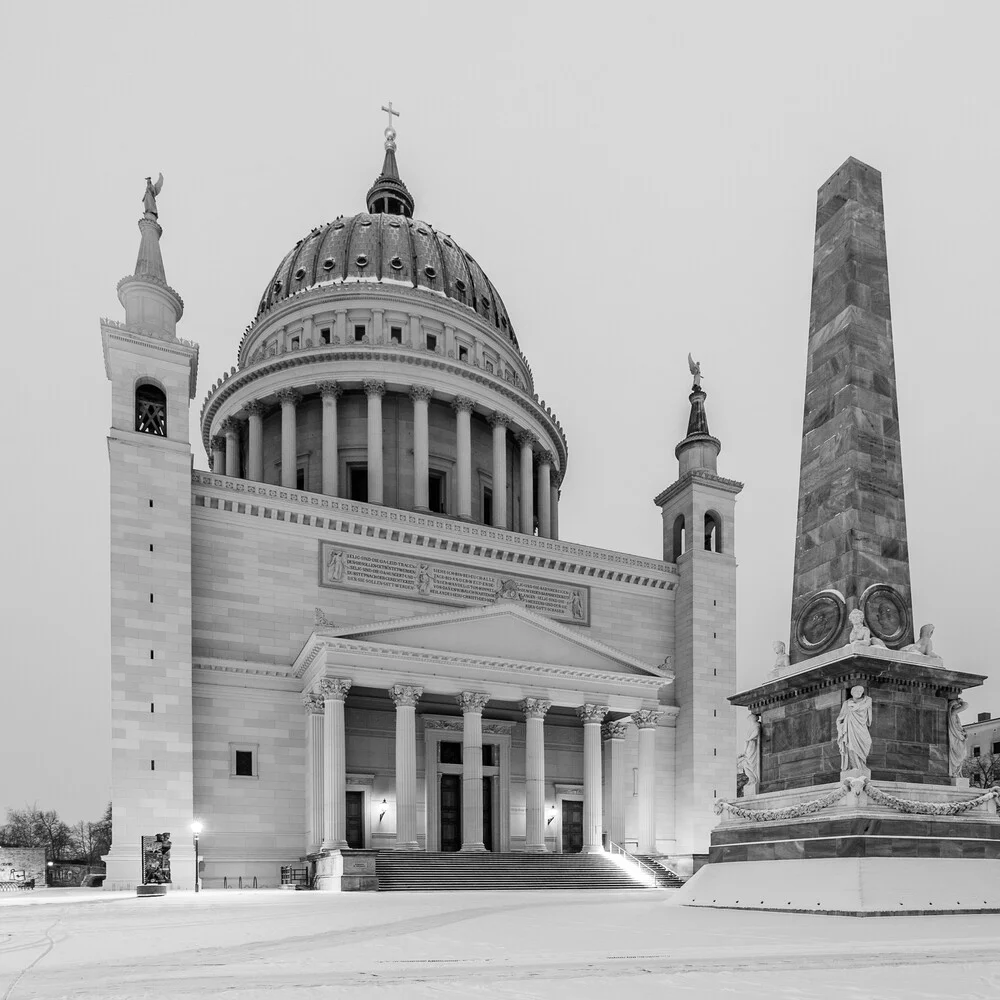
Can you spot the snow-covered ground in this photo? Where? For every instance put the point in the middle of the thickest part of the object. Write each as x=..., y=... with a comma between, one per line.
x=243, y=945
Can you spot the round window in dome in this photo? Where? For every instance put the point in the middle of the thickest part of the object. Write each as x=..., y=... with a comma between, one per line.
x=300, y=274
x=396, y=264
x=430, y=272
x=338, y=225
x=365, y=222
x=328, y=264
x=277, y=286
x=394, y=224
x=460, y=285
x=422, y=231
x=361, y=260
x=447, y=243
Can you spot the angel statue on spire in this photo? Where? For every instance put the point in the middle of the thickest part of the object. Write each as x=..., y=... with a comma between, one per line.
x=149, y=198
x=695, y=367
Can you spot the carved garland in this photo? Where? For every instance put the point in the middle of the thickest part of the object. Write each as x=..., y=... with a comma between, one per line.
x=789, y=812
x=929, y=808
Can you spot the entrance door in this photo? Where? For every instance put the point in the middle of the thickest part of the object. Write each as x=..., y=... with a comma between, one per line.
x=488, y=813
x=355, y=833
x=451, y=812
x=572, y=826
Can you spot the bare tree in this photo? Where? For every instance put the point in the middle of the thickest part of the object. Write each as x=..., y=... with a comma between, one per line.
x=982, y=771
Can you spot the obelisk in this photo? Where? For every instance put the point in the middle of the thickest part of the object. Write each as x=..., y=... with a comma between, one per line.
x=850, y=546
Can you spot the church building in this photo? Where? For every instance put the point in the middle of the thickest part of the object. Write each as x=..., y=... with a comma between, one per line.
x=359, y=628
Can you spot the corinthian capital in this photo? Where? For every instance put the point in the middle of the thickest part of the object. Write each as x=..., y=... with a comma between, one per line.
x=255, y=408
x=535, y=708
x=334, y=688
x=373, y=387
x=420, y=392
x=646, y=718
x=230, y=426
x=545, y=458
x=330, y=390
x=498, y=419
x=473, y=701
x=288, y=396
x=526, y=438
x=615, y=730
x=592, y=713
x=219, y=442
x=312, y=703
x=405, y=695
x=462, y=404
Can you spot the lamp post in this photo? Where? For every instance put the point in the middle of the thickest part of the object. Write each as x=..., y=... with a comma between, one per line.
x=196, y=829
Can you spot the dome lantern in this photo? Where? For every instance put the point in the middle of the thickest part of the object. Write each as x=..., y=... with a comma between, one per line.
x=388, y=195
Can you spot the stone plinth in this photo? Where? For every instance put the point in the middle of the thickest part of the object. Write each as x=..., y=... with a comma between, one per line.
x=909, y=730
x=344, y=871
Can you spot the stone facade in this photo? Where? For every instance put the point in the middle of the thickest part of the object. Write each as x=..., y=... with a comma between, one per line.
x=22, y=864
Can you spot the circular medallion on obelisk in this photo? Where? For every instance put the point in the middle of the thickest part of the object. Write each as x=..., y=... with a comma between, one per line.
x=885, y=614
x=820, y=621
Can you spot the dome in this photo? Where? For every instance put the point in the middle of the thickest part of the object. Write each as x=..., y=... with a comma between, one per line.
x=391, y=249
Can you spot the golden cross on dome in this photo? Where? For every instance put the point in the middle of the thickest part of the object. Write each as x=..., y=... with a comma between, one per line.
x=390, y=112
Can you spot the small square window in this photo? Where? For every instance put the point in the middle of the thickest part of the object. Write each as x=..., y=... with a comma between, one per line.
x=436, y=492
x=295, y=343
x=490, y=368
x=463, y=354
x=975, y=751
x=243, y=760
x=396, y=334
x=487, y=505
x=487, y=755
x=432, y=342
x=357, y=481
x=451, y=752
x=300, y=479
x=359, y=332
x=324, y=335
x=996, y=748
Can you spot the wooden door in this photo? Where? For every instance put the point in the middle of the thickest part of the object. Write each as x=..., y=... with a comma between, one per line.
x=572, y=826
x=355, y=833
x=451, y=812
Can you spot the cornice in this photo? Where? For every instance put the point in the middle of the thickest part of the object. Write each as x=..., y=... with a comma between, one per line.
x=112, y=330
x=299, y=510
x=698, y=476
x=235, y=380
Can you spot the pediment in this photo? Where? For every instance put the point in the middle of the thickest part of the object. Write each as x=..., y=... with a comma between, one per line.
x=501, y=631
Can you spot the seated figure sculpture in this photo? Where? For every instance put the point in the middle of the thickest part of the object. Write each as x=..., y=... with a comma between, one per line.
x=860, y=632
x=923, y=644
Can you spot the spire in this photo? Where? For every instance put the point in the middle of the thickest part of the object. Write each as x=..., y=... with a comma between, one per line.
x=698, y=450
x=149, y=263
x=389, y=194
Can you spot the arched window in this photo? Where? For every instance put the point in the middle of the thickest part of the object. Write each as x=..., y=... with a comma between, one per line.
x=713, y=532
x=151, y=410
x=680, y=537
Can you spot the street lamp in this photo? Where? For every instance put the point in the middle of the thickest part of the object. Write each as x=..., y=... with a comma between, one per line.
x=196, y=829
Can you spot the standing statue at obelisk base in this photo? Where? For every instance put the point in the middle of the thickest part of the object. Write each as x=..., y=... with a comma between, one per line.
x=855, y=748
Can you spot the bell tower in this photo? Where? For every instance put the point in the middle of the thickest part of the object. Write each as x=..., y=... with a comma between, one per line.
x=153, y=376
x=698, y=535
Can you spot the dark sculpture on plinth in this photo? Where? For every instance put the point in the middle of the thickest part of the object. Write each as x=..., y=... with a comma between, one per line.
x=156, y=859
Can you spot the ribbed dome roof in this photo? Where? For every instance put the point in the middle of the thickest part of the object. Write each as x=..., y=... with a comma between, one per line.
x=391, y=249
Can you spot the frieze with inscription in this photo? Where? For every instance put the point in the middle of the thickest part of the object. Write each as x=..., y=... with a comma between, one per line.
x=342, y=566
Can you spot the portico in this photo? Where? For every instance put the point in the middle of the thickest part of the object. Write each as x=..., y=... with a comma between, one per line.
x=460, y=706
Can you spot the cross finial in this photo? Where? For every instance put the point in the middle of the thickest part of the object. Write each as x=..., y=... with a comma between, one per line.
x=390, y=132
x=390, y=112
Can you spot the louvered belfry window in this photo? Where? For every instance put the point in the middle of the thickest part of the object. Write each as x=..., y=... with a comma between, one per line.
x=151, y=410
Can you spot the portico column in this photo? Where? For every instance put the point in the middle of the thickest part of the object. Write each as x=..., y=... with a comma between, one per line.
x=334, y=692
x=405, y=699
x=499, y=423
x=421, y=396
x=554, y=502
x=330, y=393
x=255, y=445
x=614, y=777
x=593, y=825
x=313, y=704
x=534, y=772
x=219, y=454
x=473, y=703
x=289, y=399
x=463, y=459
x=374, y=390
x=526, y=440
x=232, y=431
x=645, y=721
x=545, y=494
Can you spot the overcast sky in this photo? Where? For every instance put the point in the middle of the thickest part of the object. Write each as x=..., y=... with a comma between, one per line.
x=639, y=181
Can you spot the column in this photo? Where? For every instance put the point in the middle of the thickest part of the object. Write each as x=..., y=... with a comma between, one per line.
x=473, y=703
x=340, y=327
x=289, y=399
x=405, y=699
x=255, y=446
x=462, y=406
x=377, y=326
x=420, y=395
x=554, y=502
x=330, y=392
x=374, y=390
x=219, y=454
x=526, y=440
x=231, y=429
x=499, y=423
x=534, y=772
x=307, y=332
x=334, y=690
x=545, y=494
x=593, y=825
x=645, y=721
x=614, y=778
x=314, y=770
x=415, y=341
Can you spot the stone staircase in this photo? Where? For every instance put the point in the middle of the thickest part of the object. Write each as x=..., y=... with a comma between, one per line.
x=418, y=871
x=665, y=877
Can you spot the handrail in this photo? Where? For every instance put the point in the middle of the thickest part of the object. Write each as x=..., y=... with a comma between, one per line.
x=618, y=849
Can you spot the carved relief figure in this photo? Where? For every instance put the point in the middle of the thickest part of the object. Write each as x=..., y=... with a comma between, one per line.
x=956, y=737
x=336, y=565
x=749, y=761
x=860, y=632
x=853, y=737
x=508, y=591
x=923, y=644
x=425, y=579
x=576, y=605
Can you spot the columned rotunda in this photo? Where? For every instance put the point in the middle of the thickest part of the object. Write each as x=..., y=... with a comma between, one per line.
x=359, y=630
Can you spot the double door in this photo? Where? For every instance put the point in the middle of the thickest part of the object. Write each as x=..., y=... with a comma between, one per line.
x=451, y=812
